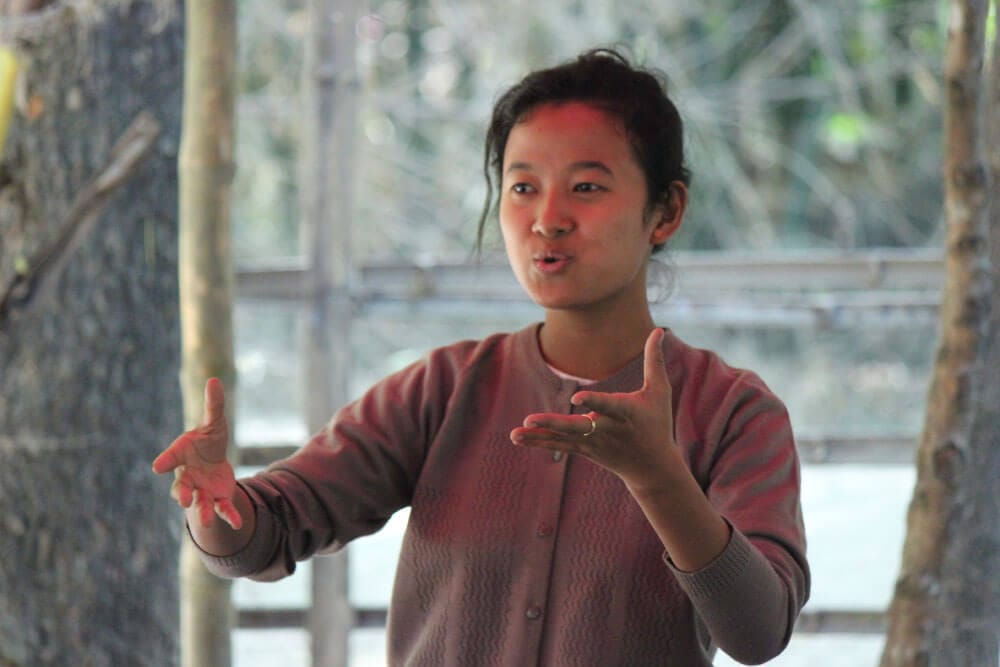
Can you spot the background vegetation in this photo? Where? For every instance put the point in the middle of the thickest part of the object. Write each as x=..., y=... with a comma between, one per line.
x=810, y=124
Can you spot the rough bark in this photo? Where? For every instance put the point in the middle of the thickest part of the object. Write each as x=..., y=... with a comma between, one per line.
x=943, y=611
x=974, y=552
x=206, y=285
x=89, y=336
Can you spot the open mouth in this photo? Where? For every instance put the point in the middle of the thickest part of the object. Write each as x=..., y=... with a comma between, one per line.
x=551, y=262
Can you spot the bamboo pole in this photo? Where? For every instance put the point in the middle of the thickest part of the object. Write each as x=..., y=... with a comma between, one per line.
x=206, y=166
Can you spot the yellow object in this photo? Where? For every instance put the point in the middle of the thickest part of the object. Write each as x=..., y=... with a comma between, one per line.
x=8, y=72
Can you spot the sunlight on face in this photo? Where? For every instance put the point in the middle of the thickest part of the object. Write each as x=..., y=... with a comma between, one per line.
x=573, y=209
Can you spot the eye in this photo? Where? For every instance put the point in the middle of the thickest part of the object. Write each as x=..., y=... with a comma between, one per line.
x=587, y=187
x=520, y=188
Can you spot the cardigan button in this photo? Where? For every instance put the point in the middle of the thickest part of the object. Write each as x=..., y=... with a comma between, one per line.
x=533, y=613
x=557, y=456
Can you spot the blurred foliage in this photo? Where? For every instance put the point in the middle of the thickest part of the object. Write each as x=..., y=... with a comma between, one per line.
x=265, y=202
x=811, y=123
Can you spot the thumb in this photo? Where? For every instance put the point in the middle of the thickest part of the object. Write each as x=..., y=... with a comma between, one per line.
x=215, y=401
x=654, y=366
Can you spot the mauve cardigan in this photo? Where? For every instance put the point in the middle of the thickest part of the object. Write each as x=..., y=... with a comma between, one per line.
x=516, y=556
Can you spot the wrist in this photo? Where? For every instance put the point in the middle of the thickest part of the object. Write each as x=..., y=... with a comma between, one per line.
x=663, y=477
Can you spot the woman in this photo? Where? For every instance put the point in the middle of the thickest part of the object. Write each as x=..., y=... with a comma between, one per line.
x=589, y=490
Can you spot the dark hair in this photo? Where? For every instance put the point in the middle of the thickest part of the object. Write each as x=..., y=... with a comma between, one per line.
x=605, y=79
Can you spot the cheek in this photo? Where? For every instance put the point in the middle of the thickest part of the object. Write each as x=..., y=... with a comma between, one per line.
x=504, y=225
x=508, y=222
x=509, y=238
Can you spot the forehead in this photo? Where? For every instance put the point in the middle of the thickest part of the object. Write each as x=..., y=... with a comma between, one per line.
x=571, y=131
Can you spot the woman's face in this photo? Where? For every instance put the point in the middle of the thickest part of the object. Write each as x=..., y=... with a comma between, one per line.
x=573, y=210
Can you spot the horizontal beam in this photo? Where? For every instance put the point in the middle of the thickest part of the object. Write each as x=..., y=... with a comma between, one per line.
x=829, y=450
x=274, y=617
x=841, y=622
x=818, y=290
x=810, y=622
x=696, y=273
x=865, y=450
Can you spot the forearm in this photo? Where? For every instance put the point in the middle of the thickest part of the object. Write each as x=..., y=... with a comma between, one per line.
x=752, y=618
x=692, y=531
x=218, y=538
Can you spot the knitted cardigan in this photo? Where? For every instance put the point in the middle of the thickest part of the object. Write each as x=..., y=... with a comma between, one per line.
x=519, y=556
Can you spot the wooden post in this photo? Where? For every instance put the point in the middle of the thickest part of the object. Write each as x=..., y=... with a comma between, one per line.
x=205, y=169
x=326, y=182
x=941, y=612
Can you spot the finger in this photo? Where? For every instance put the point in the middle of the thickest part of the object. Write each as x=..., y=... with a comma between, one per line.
x=165, y=462
x=654, y=368
x=543, y=439
x=227, y=512
x=182, y=490
x=215, y=401
x=570, y=425
x=206, y=509
x=609, y=405
x=551, y=420
x=174, y=455
x=168, y=459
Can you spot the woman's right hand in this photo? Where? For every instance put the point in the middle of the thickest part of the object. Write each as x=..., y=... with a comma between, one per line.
x=203, y=479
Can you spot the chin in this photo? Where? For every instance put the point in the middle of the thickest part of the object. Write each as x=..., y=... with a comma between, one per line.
x=556, y=302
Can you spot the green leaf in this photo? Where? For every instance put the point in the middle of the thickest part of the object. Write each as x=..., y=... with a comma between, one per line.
x=845, y=129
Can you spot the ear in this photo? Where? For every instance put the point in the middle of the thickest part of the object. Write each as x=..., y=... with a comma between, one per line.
x=667, y=216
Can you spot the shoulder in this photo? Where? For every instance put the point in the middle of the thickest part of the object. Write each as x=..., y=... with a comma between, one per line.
x=718, y=398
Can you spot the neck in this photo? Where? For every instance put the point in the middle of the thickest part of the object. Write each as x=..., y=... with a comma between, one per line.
x=586, y=346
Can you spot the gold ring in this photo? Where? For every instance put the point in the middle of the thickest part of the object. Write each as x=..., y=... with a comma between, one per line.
x=593, y=425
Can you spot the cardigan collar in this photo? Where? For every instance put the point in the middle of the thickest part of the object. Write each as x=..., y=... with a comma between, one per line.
x=627, y=378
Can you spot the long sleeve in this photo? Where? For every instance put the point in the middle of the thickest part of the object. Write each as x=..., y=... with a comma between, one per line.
x=350, y=478
x=743, y=454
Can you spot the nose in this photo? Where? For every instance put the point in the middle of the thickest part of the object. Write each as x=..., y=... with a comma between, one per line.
x=552, y=219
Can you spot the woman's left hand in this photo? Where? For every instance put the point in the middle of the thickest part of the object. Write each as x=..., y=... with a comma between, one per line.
x=631, y=434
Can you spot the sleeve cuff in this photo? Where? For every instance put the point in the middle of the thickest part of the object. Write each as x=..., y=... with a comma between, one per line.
x=253, y=557
x=718, y=576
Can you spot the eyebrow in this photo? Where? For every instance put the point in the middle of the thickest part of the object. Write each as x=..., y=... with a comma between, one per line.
x=582, y=165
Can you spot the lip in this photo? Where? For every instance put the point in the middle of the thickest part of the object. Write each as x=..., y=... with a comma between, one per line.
x=551, y=262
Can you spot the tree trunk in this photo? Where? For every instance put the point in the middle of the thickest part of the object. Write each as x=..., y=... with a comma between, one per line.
x=944, y=610
x=89, y=335
x=975, y=554
x=206, y=282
